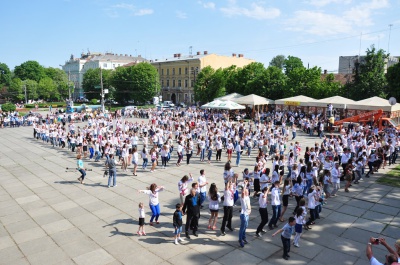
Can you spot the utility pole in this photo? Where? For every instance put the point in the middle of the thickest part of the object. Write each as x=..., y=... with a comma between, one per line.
x=102, y=91
x=26, y=99
x=69, y=87
x=390, y=30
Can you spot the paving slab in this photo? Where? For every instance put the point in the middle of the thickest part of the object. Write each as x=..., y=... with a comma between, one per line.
x=49, y=214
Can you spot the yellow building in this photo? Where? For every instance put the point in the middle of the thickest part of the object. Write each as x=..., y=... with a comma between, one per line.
x=178, y=74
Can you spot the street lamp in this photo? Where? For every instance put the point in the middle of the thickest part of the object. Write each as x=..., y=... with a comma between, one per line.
x=69, y=87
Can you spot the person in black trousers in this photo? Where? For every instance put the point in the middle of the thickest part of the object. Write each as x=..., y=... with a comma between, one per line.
x=262, y=201
x=229, y=200
x=191, y=208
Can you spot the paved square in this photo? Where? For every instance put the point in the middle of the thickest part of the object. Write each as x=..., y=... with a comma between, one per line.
x=47, y=217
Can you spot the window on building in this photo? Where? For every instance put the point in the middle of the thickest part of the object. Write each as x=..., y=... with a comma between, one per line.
x=173, y=83
x=191, y=83
x=104, y=65
x=167, y=71
x=113, y=65
x=179, y=82
x=167, y=83
x=162, y=71
x=162, y=83
x=186, y=83
x=173, y=71
x=186, y=70
x=180, y=71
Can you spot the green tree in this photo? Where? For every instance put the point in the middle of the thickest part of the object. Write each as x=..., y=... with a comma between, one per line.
x=291, y=63
x=60, y=78
x=91, y=82
x=276, y=82
x=329, y=87
x=31, y=89
x=138, y=82
x=393, y=81
x=302, y=81
x=231, y=85
x=30, y=70
x=47, y=89
x=369, y=77
x=5, y=75
x=278, y=61
x=16, y=90
x=209, y=84
x=253, y=77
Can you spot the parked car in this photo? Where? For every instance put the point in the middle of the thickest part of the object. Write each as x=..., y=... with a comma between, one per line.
x=182, y=105
x=128, y=108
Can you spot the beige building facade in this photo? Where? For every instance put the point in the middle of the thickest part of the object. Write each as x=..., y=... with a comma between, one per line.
x=178, y=74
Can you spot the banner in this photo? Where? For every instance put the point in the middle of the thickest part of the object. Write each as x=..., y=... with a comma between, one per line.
x=292, y=103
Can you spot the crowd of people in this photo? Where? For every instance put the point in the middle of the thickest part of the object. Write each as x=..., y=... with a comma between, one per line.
x=284, y=171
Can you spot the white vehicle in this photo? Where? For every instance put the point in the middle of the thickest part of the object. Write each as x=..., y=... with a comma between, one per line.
x=168, y=103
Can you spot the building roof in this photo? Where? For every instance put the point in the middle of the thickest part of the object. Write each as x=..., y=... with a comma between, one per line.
x=116, y=57
x=341, y=78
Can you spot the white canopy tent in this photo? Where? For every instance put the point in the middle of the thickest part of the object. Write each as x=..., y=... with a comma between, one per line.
x=229, y=97
x=296, y=101
x=337, y=102
x=226, y=105
x=253, y=100
x=374, y=103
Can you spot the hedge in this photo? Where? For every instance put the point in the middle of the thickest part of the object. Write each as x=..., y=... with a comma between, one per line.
x=8, y=107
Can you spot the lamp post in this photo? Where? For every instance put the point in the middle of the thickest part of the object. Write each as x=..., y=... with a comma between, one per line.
x=102, y=91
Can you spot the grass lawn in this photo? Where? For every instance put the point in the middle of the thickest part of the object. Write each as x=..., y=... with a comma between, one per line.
x=392, y=178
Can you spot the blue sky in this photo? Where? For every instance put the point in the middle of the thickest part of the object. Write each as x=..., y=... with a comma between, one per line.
x=317, y=31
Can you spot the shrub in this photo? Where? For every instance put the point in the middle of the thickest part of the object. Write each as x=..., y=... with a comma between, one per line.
x=8, y=107
x=29, y=106
x=93, y=101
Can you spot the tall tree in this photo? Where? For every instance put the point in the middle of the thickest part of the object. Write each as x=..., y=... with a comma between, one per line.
x=31, y=89
x=47, y=89
x=278, y=61
x=60, y=78
x=369, y=77
x=91, y=82
x=393, y=79
x=16, y=90
x=5, y=75
x=276, y=83
x=30, y=70
x=292, y=63
x=138, y=82
x=209, y=84
x=253, y=77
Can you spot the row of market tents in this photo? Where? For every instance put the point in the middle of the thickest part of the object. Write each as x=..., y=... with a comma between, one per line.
x=346, y=107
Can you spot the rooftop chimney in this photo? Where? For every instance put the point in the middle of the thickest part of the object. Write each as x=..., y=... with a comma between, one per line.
x=126, y=54
x=205, y=52
x=175, y=55
x=240, y=55
x=233, y=54
x=179, y=55
x=198, y=53
x=325, y=72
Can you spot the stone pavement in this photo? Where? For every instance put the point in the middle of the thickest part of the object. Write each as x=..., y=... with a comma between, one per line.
x=47, y=217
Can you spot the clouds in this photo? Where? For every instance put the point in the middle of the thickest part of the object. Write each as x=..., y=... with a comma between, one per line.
x=346, y=19
x=181, y=14
x=207, y=5
x=256, y=11
x=115, y=10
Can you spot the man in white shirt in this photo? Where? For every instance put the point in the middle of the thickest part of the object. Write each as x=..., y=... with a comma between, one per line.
x=276, y=205
x=202, y=187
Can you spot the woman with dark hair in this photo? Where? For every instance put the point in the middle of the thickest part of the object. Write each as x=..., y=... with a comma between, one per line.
x=228, y=172
x=154, y=203
x=214, y=199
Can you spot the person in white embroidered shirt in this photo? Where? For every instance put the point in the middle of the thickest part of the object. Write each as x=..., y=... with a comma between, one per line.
x=335, y=173
x=229, y=198
x=263, y=201
x=182, y=186
x=276, y=205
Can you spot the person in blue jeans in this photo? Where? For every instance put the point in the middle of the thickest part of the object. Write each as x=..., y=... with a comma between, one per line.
x=154, y=203
x=81, y=169
x=287, y=232
x=276, y=205
x=244, y=215
x=112, y=171
x=238, y=150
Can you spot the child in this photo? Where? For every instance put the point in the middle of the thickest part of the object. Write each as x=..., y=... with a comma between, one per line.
x=286, y=235
x=80, y=168
x=177, y=222
x=141, y=220
x=300, y=221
